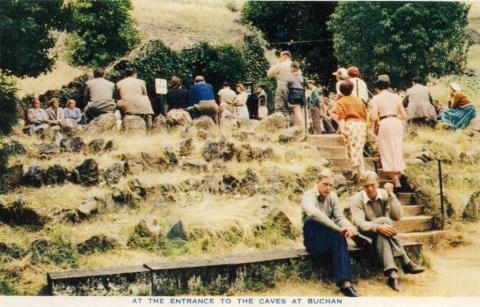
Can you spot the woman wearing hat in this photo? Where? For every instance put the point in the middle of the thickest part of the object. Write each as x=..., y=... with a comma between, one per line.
x=341, y=75
x=388, y=109
x=460, y=109
x=55, y=113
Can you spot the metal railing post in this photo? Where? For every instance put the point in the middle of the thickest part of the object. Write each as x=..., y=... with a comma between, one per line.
x=440, y=180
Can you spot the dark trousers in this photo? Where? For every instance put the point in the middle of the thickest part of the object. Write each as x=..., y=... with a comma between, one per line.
x=319, y=239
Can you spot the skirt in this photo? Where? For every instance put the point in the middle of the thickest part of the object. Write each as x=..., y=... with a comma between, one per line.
x=390, y=144
x=356, y=141
x=459, y=118
x=242, y=112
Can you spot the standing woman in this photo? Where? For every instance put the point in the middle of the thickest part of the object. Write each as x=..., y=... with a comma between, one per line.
x=240, y=102
x=388, y=109
x=352, y=120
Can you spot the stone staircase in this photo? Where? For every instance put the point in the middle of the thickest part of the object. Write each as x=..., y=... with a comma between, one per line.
x=415, y=226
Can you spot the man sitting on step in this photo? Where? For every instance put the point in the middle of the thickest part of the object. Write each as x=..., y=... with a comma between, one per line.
x=373, y=210
x=325, y=229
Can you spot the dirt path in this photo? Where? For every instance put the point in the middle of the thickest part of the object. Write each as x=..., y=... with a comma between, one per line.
x=454, y=272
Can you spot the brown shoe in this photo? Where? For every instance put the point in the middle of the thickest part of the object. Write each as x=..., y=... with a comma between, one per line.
x=412, y=268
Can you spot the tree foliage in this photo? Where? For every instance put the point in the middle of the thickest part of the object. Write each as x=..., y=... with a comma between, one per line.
x=101, y=31
x=303, y=23
x=402, y=39
x=8, y=103
x=25, y=37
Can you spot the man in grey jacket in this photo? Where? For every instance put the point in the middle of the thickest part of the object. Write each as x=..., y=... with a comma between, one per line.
x=373, y=210
x=98, y=96
x=325, y=230
x=281, y=73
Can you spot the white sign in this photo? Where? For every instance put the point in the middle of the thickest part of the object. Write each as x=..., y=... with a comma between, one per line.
x=161, y=86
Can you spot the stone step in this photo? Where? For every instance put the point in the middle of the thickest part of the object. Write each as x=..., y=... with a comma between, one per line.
x=426, y=237
x=342, y=164
x=412, y=210
x=335, y=152
x=405, y=198
x=327, y=140
x=413, y=223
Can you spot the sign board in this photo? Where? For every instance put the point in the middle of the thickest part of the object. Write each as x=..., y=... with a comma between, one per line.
x=161, y=86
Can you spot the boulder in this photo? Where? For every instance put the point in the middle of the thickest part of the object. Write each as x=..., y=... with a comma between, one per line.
x=46, y=150
x=70, y=216
x=230, y=182
x=222, y=150
x=204, y=122
x=160, y=123
x=274, y=122
x=12, y=178
x=100, y=243
x=250, y=124
x=291, y=134
x=48, y=133
x=109, y=146
x=134, y=164
x=96, y=146
x=103, y=123
x=122, y=198
x=171, y=156
x=56, y=174
x=12, y=250
x=114, y=173
x=74, y=144
x=34, y=176
x=17, y=214
x=14, y=148
x=88, y=208
x=70, y=127
x=148, y=227
x=250, y=178
x=178, y=117
x=135, y=124
x=137, y=188
x=186, y=147
x=281, y=221
x=195, y=166
x=86, y=173
x=202, y=134
x=177, y=232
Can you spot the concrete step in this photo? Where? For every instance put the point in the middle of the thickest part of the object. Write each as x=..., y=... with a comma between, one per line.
x=412, y=210
x=413, y=224
x=405, y=198
x=335, y=152
x=327, y=140
x=427, y=237
x=342, y=164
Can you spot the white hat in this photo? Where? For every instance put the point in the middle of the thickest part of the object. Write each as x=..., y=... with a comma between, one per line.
x=455, y=87
x=342, y=73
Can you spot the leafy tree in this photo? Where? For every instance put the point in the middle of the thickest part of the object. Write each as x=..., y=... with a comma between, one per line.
x=216, y=63
x=303, y=23
x=102, y=31
x=25, y=36
x=402, y=39
x=254, y=55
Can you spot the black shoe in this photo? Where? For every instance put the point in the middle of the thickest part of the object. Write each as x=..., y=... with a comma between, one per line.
x=349, y=291
x=412, y=268
x=393, y=283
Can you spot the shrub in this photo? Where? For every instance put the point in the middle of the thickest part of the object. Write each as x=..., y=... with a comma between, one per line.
x=402, y=39
x=102, y=31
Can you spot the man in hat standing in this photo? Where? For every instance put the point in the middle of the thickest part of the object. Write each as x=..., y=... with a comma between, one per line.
x=281, y=73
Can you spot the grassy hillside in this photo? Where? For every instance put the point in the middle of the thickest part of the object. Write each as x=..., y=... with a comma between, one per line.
x=179, y=23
